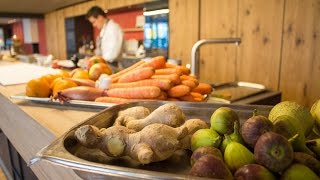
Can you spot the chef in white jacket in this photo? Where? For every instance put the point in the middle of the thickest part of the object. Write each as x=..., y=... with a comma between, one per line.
x=109, y=43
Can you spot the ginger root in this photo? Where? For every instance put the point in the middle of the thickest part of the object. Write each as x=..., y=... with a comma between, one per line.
x=169, y=114
x=155, y=142
x=138, y=112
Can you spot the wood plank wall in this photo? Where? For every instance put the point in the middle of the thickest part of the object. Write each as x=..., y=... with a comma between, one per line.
x=280, y=40
x=184, y=28
x=280, y=43
x=218, y=19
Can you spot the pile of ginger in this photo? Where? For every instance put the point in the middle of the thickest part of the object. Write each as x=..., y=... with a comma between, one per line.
x=143, y=135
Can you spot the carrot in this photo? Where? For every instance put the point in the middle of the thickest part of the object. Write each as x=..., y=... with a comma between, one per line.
x=114, y=100
x=127, y=69
x=167, y=71
x=189, y=83
x=173, y=77
x=187, y=97
x=172, y=99
x=170, y=65
x=184, y=70
x=163, y=96
x=185, y=77
x=156, y=62
x=203, y=88
x=136, y=75
x=163, y=84
x=144, y=92
x=179, y=91
x=198, y=99
x=197, y=95
x=82, y=82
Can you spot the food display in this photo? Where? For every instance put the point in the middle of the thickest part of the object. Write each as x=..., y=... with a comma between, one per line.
x=278, y=146
x=152, y=80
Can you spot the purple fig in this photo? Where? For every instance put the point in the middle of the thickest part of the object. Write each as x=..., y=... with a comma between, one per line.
x=201, y=151
x=273, y=151
x=211, y=167
x=254, y=127
x=253, y=172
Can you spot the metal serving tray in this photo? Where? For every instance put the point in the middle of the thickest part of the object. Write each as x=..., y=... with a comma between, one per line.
x=74, y=103
x=93, y=164
x=234, y=91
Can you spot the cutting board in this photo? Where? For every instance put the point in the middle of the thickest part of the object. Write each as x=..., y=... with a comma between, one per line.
x=21, y=73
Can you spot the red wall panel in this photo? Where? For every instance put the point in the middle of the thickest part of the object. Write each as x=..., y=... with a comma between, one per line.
x=17, y=29
x=42, y=37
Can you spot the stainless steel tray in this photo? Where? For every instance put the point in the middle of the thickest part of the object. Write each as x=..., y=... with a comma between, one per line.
x=92, y=164
x=74, y=103
x=234, y=91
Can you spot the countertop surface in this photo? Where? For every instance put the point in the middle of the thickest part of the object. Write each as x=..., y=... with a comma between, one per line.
x=30, y=127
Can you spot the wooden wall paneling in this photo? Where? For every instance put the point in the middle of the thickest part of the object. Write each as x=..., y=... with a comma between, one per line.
x=69, y=11
x=113, y=4
x=47, y=21
x=61, y=35
x=81, y=9
x=102, y=3
x=51, y=33
x=300, y=66
x=218, y=19
x=260, y=27
x=183, y=28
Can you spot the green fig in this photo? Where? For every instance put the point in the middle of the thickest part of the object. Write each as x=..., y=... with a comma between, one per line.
x=222, y=120
x=298, y=112
x=315, y=112
x=307, y=160
x=254, y=127
x=253, y=172
x=211, y=167
x=237, y=155
x=298, y=172
x=273, y=151
x=202, y=151
x=235, y=136
x=284, y=126
x=314, y=145
x=205, y=138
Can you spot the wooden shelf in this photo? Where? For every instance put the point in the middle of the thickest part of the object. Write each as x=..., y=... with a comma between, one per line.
x=133, y=30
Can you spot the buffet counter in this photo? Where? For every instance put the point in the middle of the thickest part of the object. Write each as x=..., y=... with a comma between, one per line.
x=30, y=127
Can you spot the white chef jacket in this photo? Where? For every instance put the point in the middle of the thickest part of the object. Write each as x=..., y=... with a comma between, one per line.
x=110, y=41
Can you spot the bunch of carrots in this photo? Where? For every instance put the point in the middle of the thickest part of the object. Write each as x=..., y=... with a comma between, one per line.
x=155, y=80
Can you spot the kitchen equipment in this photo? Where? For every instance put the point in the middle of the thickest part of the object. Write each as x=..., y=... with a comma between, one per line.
x=198, y=44
x=92, y=164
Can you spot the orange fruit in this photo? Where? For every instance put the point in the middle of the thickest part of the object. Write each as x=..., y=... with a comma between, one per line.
x=54, y=82
x=81, y=74
x=62, y=73
x=62, y=84
x=38, y=88
x=49, y=78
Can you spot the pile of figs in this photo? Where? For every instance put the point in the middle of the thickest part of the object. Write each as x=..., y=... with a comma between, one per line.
x=284, y=145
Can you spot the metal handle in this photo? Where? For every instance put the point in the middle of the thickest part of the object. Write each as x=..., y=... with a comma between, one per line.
x=195, y=47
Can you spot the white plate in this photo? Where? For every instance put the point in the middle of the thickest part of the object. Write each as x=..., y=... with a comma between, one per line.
x=66, y=63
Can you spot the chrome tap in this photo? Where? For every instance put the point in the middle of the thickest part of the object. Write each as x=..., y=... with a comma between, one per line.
x=195, y=47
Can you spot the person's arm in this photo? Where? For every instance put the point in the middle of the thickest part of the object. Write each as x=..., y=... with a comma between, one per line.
x=112, y=46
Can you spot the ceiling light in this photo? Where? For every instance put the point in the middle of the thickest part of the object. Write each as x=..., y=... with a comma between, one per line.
x=156, y=12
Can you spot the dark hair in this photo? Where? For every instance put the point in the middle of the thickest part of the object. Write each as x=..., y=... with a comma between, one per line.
x=95, y=11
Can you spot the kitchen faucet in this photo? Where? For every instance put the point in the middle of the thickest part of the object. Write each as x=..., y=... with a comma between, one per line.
x=195, y=47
